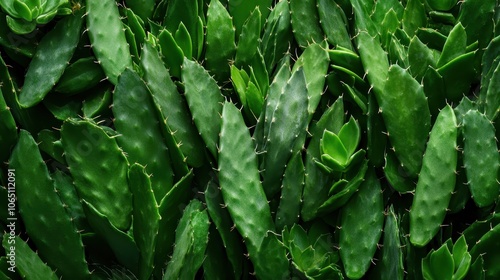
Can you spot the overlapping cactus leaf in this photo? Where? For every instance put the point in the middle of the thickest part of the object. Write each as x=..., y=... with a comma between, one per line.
x=233, y=139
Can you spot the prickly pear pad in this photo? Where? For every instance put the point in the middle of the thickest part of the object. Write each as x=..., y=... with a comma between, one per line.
x=99, y=169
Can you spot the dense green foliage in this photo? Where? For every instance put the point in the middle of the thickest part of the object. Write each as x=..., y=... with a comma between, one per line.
x=249, y=139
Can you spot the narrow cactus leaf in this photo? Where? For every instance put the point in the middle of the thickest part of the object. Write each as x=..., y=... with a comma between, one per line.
x=220, y=40
x=146, y=218
x=375, y=128
x=388, y=28
x=132, y=43
x=99, y=170
x=398, y=53
x=481, y=158
x=122, y=244
x=305, y=22
x=173, y=107
x=436, y=180
x=134, y=109
x=248, y=42
x=63, y=184
x=204, y=99
x=186, y=12
x=314, y=60
x=231, y=239
x=489, y=63
x=29, y=265
x=458, y=83
x=277, y=35
x=333, y=21
x=278, y=83
x=374, y=59
x=383, y=7
x=455, y=45
x=51, y=58
x=241, y=11
x=392, y=255
x=420, y=57
x=258, y=73
x=32, y=119
x=8, y=129
x=201, y=224
x=478, y=28
x=363, y=22
x=80, y=76
x=43, y=213
x=362, y=222
x=492, y=100
x=244, y=195
x=183, y=40
x=316, y=181
x=241, y=178
x=186, y=232
x=284, y=129
x=435, y=90
x=171, y=209
x=487, y=247
x=98, y=102
x=291, y=193
x=414, y=17
x=136, y=25
x=172, y=53
x=107, y=36
x=403, y=92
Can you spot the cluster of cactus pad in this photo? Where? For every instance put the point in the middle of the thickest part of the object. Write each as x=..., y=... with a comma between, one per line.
x=250, y=139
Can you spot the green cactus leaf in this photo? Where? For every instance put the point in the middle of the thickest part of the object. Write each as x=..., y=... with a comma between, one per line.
x=350, y=135
x=43, y=213
x=481, y=158
x=28, y=264
x=333, y=148
x=204, y=99
x=248, y=42
x=107, y=36
x=317, y=181
x=462, y=259
x=150, y=151
x=288, y=212
x=220, y=40
x=80, y=76
x=55, y=50
x=362, y=221
x=183, y=40
x=333, y=22
x=436, y=181
x=99, y=168
x=455, y=45
x=438, y=264
x=305, y=22
x=22, y=10
x=414, y=17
